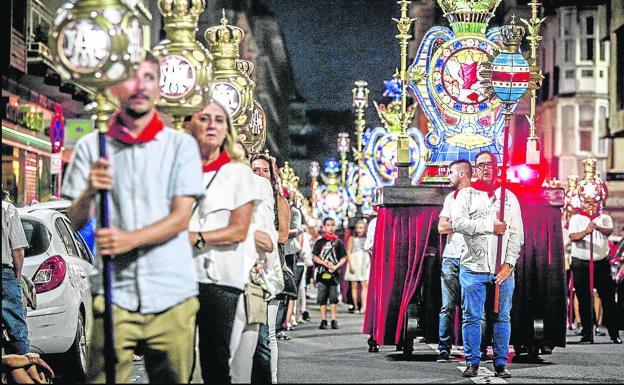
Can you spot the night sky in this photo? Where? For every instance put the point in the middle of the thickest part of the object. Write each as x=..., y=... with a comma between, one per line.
x=333, y=43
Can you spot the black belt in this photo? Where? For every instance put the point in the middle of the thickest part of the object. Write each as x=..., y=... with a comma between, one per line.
x=5, y=266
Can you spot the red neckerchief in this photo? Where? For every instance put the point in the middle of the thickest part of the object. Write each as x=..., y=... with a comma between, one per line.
x=330, y=238
x=455, y=194
x=591, y=217
x=117, y=130
x=481, y=186
x=217, y=163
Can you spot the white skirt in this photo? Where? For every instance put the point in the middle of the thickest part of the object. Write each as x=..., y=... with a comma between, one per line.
x=360, y=262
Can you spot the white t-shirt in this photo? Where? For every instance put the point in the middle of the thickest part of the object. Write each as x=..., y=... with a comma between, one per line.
x=370, y=235
x=455, y=244
x=263, y=219
x=229, y=265
x=580, y=249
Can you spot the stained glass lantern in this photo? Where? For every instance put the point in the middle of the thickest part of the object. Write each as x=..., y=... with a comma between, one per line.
x=97, y=43
x=343, y=143
x=360, y=94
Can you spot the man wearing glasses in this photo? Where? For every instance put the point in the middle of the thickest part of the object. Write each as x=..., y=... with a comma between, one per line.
x=474, y=214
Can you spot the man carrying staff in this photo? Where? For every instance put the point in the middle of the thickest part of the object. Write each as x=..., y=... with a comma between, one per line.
x=581, y=227
x=460, y=172
x=474, y=214
x=154, y=176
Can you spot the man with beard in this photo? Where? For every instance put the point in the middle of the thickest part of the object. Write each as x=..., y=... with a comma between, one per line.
x=475, y=215
x=459, y=175
x=154, y=175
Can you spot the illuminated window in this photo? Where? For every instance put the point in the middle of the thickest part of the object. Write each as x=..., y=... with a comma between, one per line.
x=586, y=127
x=568, y=143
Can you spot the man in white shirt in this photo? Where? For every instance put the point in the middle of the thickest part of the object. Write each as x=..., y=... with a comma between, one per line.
x=475, y=215
x=459, y=174
x=600, y=226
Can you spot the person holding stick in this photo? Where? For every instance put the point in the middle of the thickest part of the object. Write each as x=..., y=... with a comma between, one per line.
x=588, y=234
x=154, y=175
x=475, y=215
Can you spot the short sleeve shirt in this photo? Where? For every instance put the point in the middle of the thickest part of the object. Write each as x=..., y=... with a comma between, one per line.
x=229, y=265
x=13, y=236
x=580, y=249
x=455, y=244
x=330, y=251
x=146, y=178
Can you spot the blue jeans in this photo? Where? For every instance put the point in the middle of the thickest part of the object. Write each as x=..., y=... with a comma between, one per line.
x=13, y=315
x=261, y=372
x=450, y=300
x=474, y=290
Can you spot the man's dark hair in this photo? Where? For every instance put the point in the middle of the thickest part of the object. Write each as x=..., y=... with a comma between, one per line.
x=149, y=57
x=327, y=219
x=490, y=153
x=462, y=161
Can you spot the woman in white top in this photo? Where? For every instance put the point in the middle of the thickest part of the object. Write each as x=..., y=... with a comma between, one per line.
x=265, y=359
x=219, y=230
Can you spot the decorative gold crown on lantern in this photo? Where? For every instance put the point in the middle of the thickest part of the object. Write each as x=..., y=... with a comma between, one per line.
x=512, y=35
x=572, y=183
x=288, y=177
x=223, y=40
x=181, y=14
x=589, y=166
x=468, y=16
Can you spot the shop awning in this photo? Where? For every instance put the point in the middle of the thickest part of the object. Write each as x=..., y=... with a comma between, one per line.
x=28, y=140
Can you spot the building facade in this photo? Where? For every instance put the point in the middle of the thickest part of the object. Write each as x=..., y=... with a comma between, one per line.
x=574, y=98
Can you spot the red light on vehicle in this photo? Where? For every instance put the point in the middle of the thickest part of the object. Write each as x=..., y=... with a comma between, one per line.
x=50, y=274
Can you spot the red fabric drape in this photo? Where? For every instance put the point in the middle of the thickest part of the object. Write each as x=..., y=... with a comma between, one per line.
x=400, y=267
x=399, y=264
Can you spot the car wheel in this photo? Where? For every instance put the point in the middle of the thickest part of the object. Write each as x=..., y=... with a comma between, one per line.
x=76, y=356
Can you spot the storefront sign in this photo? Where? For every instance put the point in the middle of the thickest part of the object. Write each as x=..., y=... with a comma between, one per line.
x=25, y=117
x=56, y=164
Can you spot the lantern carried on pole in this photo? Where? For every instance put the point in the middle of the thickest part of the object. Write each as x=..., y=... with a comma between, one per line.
x=509, y=76
x=98, y=43
x=185, y=64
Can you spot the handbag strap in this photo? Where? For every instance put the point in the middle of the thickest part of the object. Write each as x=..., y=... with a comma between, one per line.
x=206, y=189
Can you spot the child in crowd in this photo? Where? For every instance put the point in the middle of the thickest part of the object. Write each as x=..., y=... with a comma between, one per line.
x=329, y=256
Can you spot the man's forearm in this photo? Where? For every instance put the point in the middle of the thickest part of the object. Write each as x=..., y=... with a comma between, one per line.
x=81, y=210
x=606, y=231
x=18, y=261
x=575, y=237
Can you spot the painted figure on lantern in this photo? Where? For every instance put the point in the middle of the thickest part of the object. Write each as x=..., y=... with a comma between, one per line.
x=464, y=119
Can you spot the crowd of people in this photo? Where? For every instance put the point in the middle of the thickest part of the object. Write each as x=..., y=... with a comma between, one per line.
x=206, y=240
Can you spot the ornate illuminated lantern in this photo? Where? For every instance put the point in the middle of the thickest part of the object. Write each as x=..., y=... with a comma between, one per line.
x=185, y=64
x=232, y=87
x=572, y=203
x=254, y=135
x=381, y=144
x=464, y=118
x=331, y=199
x=591, y=189
x=314, y=174
x=97, y=43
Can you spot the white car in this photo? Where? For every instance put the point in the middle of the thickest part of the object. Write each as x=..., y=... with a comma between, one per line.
x=59, y=264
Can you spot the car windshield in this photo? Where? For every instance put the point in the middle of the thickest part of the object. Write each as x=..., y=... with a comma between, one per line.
x=37, y=235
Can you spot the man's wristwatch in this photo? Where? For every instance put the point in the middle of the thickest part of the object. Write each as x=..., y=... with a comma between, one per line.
x=200, y=242
x=509, y=264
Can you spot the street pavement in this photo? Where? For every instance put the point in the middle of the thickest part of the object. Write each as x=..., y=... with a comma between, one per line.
x=341, y=356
